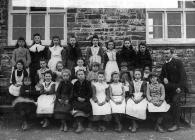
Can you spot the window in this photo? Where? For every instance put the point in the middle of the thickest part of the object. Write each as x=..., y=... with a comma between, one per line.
x=171, y=25
x=56, y=25
x=48, y=20
x=190, y=24
x=174, y=25
x=155, y=25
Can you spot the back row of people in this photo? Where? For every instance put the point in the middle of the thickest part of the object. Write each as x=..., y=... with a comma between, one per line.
x=109, y=60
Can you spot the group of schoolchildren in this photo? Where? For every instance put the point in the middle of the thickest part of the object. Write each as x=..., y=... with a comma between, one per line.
x=57, y=83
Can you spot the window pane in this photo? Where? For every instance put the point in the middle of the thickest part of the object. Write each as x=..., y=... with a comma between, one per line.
x=157, y=32
x=19, y=32
x=190, y=31
x=19, y=8
x=190, y=4
x=57, y=32
x=37, y=20
x=157, y=18
x=41, y=31
x=19, y=20
x=56, y=20
x=190, y=18
x=174, y=18
x=174, y=31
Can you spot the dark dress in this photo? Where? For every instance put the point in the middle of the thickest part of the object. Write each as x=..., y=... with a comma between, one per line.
x=72, y=55
x=35, y=63
x=127, y=55
x=82, y=90
x=144, y=59
x=64, y=92
x=25, y=103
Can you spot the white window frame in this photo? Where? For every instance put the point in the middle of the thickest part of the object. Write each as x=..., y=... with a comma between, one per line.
x=165, y=39
x=28, y=13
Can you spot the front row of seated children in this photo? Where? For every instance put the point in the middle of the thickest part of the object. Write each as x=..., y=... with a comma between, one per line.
x=94, y=100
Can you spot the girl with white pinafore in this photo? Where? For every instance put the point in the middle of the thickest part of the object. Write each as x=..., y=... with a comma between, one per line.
x=117, y=102
x=56, y=53
x=137, y=103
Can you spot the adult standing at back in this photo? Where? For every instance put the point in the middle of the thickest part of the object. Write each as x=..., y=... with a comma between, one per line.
x=73, y=52
x=128, y=55
x=173, y=76
x=95, y=53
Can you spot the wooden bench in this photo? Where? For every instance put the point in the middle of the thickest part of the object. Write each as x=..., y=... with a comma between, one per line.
x=189, y=108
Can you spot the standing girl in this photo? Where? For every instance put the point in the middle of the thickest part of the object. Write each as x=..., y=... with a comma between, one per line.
x=73, y=53
x=94, y=53
x=55, y=53
x=125, y=79
x=137, y=103
x=37, y=52
x=82, y=93
x=143, y=57
x=45, y=102
x=40, y=74
x=17, y=78
x=100, y=103
x=58, y=73
x=128, y=55
x=25, y=103
x=117, y=102
x=93, y=74
x=62, y=106
x=110, y=61
x=21, y=53
x=80, y=66
x=156, y=100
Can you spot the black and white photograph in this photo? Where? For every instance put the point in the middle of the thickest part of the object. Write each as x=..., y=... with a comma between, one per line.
x=97, y=70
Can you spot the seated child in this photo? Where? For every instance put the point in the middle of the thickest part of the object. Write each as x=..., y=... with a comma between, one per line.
x=146, y=73
x=125, y=79
x=117, y=102
x=100, y=103
x=45, y=102
x=156, y=100
x=82, y=93
x=25, y=103
x=62, y=106
x=58, y=73
x=93, y=74
x=137, y=103
x=40, y=74
x=17, y=78
x=80, y=66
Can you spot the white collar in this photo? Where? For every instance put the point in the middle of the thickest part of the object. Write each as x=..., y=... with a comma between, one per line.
x=37, y=47
x=95, y=47
x=169, y=60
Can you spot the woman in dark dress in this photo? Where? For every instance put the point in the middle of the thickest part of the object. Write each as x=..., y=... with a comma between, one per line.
x=37, y=52
x=128, y=55
x=62, y=106
x=73, y=52
x=82, y=92
x=144, y=58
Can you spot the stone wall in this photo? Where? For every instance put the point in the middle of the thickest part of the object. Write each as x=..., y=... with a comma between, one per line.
x=108, y=24
x=3, y=22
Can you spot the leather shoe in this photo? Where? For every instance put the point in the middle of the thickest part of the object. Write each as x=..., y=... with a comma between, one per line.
x=160, y=129
x=173, y=128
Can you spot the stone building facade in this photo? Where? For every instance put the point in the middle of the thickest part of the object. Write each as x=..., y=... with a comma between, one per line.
x=108, y=24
